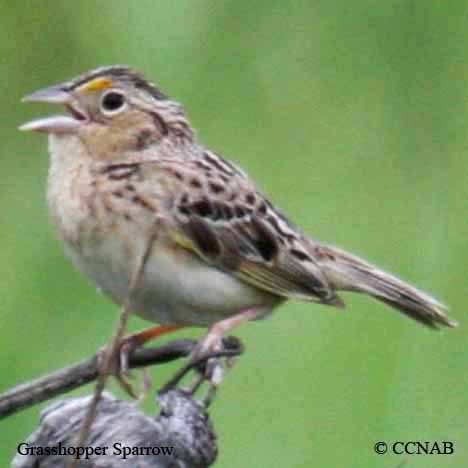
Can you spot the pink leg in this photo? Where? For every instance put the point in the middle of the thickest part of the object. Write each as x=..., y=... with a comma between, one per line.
x=211, y=342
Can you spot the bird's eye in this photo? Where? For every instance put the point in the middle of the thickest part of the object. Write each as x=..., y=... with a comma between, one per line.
x=112, y=102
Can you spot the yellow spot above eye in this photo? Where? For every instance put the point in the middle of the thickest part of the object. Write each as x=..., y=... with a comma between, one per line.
x=97, y=84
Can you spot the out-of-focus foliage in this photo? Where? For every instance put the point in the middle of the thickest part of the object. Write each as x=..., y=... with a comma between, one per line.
x=354, y=116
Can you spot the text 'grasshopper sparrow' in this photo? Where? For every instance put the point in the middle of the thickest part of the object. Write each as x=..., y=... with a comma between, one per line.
x=126, y=166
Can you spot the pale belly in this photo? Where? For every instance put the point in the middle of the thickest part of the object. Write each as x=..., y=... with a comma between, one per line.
x=176, y=287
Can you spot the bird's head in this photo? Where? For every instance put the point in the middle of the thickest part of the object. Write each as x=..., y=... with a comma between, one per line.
x=111, y=109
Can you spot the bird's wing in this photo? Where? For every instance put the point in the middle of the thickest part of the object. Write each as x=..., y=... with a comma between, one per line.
x=221, y=216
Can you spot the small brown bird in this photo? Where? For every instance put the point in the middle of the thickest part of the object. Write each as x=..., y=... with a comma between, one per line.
x=126, y=165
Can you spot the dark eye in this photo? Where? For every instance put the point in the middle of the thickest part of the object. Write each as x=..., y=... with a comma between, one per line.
x=112, y=102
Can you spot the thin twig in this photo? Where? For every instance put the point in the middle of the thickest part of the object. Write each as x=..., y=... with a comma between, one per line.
x=69, y=378
x=113, y=350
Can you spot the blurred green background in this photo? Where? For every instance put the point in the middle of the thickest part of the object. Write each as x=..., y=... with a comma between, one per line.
x=354, y=116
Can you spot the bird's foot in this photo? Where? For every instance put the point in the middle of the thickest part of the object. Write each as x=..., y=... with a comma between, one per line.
x=210, y=364
x=115, y=362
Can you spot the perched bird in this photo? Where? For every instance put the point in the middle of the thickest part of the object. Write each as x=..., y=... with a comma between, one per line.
x=126, y=169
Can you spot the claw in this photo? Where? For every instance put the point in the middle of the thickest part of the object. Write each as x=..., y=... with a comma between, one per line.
x=118, y=364
x=210, y=367
x=209, y=344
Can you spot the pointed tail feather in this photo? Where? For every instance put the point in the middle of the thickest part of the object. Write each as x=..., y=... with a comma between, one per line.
x=347, y=272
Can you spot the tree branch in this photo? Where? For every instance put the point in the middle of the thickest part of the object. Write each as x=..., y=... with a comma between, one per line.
x=69, y=378
x=183, y=424
x=44, y=388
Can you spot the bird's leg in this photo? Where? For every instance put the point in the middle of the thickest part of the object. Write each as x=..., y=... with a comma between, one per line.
x=131, y=342
x=212, y=341
x=119, y=364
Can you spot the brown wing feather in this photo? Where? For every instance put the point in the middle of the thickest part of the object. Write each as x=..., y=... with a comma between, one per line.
x=229, y=224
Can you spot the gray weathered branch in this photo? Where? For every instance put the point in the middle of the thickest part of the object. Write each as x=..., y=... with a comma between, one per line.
x=182, y=436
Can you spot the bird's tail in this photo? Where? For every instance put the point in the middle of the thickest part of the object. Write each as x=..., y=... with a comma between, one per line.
x=350, y=273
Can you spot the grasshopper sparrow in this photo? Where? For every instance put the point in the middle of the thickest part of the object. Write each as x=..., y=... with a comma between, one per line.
x=126, y=164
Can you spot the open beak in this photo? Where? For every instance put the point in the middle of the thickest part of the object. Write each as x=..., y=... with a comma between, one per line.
x=56, y=123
